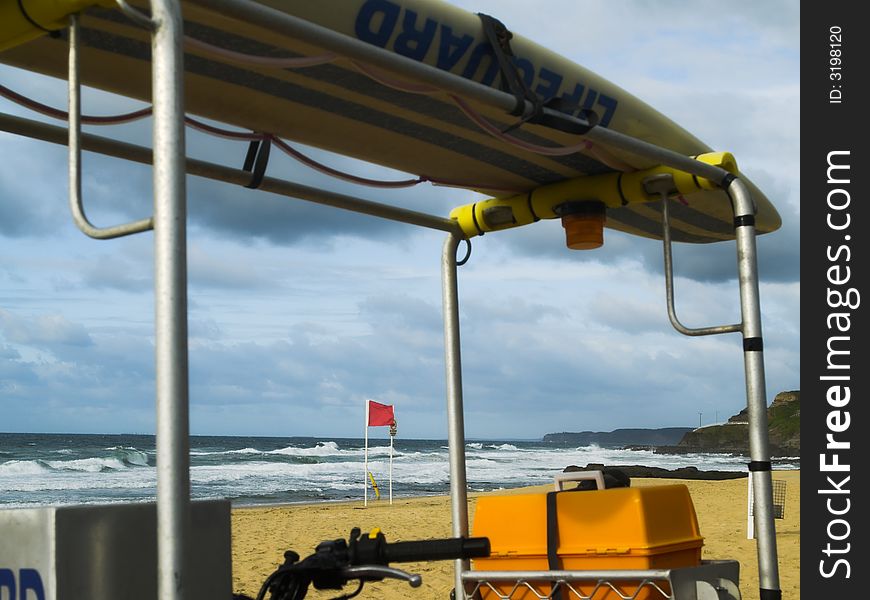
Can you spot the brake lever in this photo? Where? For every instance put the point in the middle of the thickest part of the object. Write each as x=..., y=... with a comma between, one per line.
x=378, y=572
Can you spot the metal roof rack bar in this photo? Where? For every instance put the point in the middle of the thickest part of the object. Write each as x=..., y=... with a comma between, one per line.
x=75, y=152
x=140, y=154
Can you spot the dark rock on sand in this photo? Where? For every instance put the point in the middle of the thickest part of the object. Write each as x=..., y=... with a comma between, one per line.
x=657, y=472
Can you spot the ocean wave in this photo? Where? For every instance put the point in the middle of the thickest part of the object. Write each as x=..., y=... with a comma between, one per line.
x=301, y=469
x=88, y=465
x=83, y=465
x=130, y=456
x=80, y=465
x=590, y=446
x=321, y=449
x=225, y=452
x=380, y=451
x=23, y=467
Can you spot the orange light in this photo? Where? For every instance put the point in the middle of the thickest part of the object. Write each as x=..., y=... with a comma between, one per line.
x=584, y=231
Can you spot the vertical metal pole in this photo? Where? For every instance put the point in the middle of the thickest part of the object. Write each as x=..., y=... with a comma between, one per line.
x=756, y=395
x=366, y=460
x=455, y=416
x=391, y=469
x=170, y=290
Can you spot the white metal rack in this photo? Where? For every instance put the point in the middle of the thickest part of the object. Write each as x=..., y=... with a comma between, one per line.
x=713, y=580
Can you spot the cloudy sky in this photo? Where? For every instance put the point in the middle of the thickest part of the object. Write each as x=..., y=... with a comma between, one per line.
x=298, y=313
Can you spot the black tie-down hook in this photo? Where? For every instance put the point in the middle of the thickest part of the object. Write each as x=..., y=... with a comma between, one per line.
x=257, y=159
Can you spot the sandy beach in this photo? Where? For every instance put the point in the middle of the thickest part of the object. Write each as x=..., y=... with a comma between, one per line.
x=262, y=534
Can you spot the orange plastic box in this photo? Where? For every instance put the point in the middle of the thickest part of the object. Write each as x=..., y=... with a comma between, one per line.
x=622, y=528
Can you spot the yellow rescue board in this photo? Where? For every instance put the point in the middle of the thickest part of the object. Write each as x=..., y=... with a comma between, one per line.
x=341, y=107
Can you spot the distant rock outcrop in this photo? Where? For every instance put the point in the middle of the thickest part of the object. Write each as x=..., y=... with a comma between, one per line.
x=784, y=425
x=619, y=438
x=659, y=472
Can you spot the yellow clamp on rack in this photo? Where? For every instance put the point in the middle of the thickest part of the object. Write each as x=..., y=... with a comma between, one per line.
x=581, y=203
x=24, y=20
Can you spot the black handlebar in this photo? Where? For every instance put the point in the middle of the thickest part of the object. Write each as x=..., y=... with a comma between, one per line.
x=376, y=550
x=362, y=557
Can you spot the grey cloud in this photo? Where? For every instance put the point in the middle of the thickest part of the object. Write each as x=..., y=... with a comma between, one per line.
x=33, y=204
x=508, y=371
x=106, y=385
x=628, y=314
x=9, y=352
x=246, y=215
x=128, y=266
x=205, y=329
x=222, y=272
x=401, y=310
x=113, y=271
x=43, y=331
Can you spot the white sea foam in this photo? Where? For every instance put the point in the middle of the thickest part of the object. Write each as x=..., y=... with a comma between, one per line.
x=225, y=452
x=22, y=467
x=321, y=449
x=242, y=451
x=90, y=465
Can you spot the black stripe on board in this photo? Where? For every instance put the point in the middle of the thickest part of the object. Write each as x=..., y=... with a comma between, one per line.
x=653, y=228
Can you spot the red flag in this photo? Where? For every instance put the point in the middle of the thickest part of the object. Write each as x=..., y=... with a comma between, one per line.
x=380, y=414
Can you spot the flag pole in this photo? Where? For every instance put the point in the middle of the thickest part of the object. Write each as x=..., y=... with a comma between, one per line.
x=366, y=459
x=391, y=465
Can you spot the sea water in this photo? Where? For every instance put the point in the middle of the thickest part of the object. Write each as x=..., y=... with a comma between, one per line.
x=58, y=469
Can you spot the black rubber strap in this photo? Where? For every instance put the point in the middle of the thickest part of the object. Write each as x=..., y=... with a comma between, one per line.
x=532, y=207
x=622, y=197
x=770, y=594
x=553, y=562
x=256, y=161
x=30, y=19
x=744, y=221
x=759, y=465
x=753, y=344
x=474, y=218
x=726, y=181
x=560, y=113
x=499, y=38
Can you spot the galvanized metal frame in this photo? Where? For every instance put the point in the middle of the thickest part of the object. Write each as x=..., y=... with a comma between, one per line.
x=455, y=412
x=171, y=276
x=170, y=300
x=74, y=94
x=712, y=579
x=756, y=395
